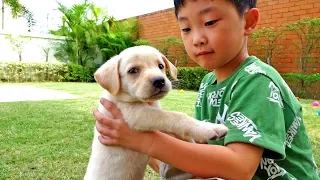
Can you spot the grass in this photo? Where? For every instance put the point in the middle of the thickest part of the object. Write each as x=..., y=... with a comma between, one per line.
x=52, y=139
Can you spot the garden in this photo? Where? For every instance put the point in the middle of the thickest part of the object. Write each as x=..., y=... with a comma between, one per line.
x=52, y=139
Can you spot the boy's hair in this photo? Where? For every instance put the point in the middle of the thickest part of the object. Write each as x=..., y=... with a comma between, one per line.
x=241, y=5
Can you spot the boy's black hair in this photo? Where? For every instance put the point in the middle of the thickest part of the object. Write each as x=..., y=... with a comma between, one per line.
x=241, y=5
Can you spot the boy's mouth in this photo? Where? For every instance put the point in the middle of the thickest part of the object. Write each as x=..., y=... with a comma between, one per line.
x=202, y=53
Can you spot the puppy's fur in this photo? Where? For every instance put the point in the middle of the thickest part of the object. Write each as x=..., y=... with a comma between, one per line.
x=133, y=80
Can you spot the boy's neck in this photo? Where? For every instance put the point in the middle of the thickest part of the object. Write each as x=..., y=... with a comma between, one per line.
x=228, y=69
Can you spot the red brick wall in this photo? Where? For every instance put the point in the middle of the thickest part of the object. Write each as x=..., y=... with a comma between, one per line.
x=161, y=24
x=278, y=12
x=273, y=13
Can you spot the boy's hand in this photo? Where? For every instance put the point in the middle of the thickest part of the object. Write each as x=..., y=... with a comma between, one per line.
x=116, y=132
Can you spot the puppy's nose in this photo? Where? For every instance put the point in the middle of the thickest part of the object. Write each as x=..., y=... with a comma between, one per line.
x=158, y=82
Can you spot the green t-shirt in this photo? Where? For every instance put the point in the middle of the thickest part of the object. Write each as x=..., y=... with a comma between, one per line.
x=259, y=108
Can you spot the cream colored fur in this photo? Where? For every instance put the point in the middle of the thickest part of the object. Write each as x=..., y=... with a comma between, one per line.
x=132, y=92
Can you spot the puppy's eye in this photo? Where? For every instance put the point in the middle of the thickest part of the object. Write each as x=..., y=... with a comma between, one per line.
x=133, y=71
x=161, y=66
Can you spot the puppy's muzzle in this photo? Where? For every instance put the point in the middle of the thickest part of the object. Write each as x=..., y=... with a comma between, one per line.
x=158, y=82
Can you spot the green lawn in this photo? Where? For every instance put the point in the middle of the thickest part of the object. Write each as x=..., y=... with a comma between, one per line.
x=52, y=139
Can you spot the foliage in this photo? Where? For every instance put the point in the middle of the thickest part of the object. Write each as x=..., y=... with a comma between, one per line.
x=92, y=36
x=140, y=42
x=189, y=78
x=79, y=47
x=31, y=72
x=17, y=43
x=308, y=32
x=172, y=48
x=164, y=44
x=41, y=72
x=308, y=79
x=120, y=36
x=18, y=10
x=265, y=41
x=78, y=73
x=304, y=85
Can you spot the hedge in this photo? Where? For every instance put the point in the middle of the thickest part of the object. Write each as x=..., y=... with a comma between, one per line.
x=41, y=72
x=189, y=78
x=304, y=86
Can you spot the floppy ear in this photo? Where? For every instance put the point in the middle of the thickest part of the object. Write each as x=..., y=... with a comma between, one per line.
x=172, y=69
x=108, y=75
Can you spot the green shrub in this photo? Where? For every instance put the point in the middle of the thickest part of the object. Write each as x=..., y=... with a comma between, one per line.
x=304, y=79
x=31, y=72
x=78, y=73
x=304, y=85
x=189, y=78
x=41, y=72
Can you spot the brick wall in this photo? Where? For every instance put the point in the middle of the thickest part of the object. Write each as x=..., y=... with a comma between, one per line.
x=273, y=13
x=278, y=12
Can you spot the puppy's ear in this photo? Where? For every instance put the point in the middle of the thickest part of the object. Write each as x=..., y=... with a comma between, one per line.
x=108, y=75
x=172, y=69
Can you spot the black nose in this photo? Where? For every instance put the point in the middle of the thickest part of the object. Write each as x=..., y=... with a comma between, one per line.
x=158, y=82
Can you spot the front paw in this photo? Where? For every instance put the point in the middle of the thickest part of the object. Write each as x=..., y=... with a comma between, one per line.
x=205, y=131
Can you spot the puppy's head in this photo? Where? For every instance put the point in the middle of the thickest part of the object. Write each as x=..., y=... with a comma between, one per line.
x=137, y=74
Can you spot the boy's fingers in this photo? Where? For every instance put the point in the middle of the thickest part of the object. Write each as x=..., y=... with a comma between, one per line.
x=112, y=108
x=105, y=131
x=107, y=141
x=105, y=120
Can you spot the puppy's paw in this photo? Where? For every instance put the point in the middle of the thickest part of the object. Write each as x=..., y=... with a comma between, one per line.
x=205, y=131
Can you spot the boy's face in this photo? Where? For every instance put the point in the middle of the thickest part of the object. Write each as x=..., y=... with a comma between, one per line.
x=212, y=31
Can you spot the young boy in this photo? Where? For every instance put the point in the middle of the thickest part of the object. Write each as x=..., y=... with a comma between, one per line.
x=267, y=138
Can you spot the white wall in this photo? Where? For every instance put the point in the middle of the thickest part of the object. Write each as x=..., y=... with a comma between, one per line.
x=33, y=49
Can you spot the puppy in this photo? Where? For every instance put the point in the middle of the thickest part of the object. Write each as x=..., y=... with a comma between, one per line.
x=133, y=80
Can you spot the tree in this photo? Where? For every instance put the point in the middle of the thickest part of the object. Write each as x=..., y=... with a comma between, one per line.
x=46, y=52
x=18, y=10
x=17, y=44
x=308, y=32
x=164, y=45
x=91, y=34
x=265, y=41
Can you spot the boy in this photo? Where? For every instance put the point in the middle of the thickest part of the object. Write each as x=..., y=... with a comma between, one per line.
x=267, y=138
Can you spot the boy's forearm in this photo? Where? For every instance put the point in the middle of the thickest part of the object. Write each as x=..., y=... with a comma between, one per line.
x=154, y=164
x=210, y=160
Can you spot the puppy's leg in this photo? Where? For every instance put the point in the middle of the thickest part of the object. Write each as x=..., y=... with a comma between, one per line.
x=147, y=118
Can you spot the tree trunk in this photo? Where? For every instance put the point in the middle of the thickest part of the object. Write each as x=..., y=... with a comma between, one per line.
x=2, y=8
x=47, y=57
x=268, y=61
x=20, y=57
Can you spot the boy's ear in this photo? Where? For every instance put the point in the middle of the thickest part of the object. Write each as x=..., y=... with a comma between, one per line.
x=251, y=18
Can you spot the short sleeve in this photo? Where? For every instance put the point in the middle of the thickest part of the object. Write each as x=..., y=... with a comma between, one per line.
x=255, y=115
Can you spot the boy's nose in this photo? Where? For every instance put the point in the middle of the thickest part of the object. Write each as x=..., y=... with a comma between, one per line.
x=198, y=41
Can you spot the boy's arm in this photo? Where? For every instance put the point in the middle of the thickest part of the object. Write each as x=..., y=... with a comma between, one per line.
x=235, y=161
x=154, y=164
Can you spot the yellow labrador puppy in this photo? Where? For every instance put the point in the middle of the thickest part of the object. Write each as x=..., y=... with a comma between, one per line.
x=133, y=80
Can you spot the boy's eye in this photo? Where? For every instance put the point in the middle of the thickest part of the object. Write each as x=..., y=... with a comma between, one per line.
x=186, y=29
x=210, y=23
